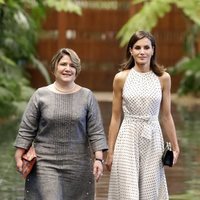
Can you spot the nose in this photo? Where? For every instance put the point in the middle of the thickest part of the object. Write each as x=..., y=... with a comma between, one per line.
x=67, y=67
x=141, y=51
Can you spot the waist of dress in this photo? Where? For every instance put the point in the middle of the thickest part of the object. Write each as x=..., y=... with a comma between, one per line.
x=62, y=148
x=146, y=124
x=153, y=118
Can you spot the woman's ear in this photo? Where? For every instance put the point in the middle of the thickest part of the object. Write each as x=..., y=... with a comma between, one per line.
x=130, y=50
x=153, y=51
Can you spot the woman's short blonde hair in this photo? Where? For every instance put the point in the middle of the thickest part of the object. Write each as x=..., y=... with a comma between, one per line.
x=73, y=56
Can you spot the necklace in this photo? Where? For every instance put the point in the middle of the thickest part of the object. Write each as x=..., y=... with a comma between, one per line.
x=64, y=91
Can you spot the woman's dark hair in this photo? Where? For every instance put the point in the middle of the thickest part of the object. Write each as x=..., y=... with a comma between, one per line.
x=130, y=62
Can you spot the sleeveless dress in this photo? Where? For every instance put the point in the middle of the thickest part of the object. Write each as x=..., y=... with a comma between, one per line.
x=137, y=170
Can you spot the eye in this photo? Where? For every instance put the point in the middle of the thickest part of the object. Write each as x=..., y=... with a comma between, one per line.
x=72, y=65
x=147, y=47
x=63, y=64
x=137, y=47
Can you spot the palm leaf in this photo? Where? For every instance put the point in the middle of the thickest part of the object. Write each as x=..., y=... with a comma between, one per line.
x=191, y=9
x=145, y=19
x=38, y=64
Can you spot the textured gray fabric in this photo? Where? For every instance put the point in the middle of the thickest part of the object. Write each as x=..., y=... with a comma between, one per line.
x=63, y=128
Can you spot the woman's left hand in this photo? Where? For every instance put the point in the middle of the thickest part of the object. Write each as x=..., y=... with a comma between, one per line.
x=98, y=169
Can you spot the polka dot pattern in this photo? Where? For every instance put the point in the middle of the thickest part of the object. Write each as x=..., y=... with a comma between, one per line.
x=137, y=171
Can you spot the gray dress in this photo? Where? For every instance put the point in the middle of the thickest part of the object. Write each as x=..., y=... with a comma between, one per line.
x=66, y=130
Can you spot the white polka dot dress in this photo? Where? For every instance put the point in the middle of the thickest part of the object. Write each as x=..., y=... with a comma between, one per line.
x=137, y=171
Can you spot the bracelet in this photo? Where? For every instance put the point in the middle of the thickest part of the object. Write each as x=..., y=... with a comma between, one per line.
x=101, y=160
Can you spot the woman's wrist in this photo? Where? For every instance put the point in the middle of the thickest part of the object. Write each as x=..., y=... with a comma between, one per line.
x=100, y=160
x=175, y=147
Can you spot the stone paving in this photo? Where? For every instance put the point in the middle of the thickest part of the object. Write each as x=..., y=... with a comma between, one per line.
x=103, y=96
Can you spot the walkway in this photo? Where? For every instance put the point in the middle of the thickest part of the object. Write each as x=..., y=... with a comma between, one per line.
x=103, y=96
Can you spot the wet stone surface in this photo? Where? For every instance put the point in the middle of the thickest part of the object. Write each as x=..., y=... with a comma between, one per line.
x=183, y=179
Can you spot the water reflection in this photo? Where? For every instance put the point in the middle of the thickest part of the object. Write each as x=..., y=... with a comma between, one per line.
x=183, y=179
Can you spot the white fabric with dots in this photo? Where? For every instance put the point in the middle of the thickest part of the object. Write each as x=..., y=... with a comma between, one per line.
x=137, y=171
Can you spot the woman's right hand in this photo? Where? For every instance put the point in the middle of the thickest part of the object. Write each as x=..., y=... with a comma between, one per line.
x=109, y=160
x=18, y=158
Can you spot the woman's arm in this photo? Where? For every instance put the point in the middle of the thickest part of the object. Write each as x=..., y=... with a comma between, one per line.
x=27, y=130
x=167, y=121
x=96, y=135
x=29, y=124
x=118, y=84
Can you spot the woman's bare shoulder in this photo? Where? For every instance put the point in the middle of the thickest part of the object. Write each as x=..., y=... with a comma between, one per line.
x=120, y=78
x=165, y=79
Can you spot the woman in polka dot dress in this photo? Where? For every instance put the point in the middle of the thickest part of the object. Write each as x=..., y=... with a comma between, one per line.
x=141, y=92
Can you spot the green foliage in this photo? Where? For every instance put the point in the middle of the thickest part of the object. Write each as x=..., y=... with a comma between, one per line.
x=20, y=23
x=63, y=5
x=190, y=8
x=190, y=40
x=190, y=69
x=17, y=40
x=147, y=18
x=151, y=11
x=12, y=86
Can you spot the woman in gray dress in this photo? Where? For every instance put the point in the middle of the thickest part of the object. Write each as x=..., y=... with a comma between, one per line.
x=63, y=122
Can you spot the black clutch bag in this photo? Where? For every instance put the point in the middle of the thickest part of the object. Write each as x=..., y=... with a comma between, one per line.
x=168, y=156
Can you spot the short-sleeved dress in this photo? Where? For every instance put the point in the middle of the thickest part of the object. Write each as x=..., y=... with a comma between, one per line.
x=137, y=171
x=66, y=130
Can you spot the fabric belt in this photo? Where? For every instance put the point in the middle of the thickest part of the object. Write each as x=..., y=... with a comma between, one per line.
x=147, y=123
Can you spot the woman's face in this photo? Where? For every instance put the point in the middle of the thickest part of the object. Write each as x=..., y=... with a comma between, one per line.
x=142, y=52
x=65, y=70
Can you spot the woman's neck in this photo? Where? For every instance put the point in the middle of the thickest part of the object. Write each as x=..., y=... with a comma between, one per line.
x=142, y=68
x=67, y=88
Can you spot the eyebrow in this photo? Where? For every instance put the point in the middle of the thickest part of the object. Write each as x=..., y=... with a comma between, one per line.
x=136, y=46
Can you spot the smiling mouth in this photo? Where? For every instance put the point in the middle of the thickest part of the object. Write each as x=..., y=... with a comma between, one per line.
x=67, y=74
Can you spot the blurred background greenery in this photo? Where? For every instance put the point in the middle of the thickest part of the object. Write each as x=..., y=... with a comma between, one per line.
x=20, y=29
